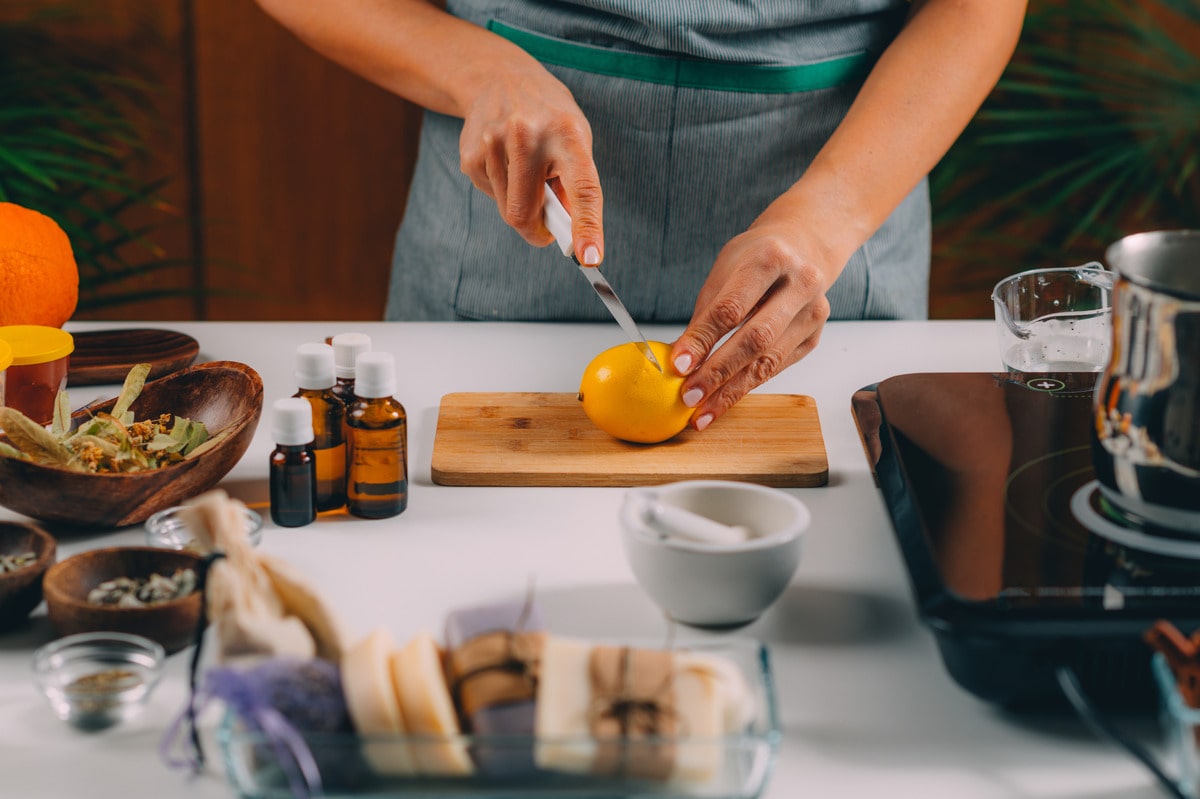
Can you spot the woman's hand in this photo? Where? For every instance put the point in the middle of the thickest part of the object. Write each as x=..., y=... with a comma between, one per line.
x=522, y=129
x=768, y=286
x=771, y=280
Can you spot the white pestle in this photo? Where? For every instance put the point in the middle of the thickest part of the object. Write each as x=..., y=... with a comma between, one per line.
x=682, y=523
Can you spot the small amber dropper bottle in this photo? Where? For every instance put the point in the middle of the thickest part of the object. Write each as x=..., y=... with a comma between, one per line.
x=315, y=380
x=346, y=349
x=377, y=483
x=293, y=480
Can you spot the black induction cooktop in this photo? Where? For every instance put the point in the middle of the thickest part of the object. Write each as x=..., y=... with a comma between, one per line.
x=1015, y=561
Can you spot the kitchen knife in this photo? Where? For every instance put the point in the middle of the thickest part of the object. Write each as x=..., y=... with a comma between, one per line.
x=559, y=222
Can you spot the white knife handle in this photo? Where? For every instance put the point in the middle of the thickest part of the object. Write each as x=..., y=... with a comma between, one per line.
x=558, y=221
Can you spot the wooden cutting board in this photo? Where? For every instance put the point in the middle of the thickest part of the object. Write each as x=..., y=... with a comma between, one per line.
x=544, y=439
x=106, y=356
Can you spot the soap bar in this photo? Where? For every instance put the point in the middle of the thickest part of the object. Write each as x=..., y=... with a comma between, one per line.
x=702, y=713
x=655, y=714
x=492, y=665
x=374, y=705
x=715, y=701
x=633, y=712
x=493, y=653
x=564, y=742
x=428, y=710
x=737, y=701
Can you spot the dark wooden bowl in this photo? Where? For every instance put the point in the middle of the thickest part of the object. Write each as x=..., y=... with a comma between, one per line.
x=21, y=591
x=224, y=395
x=68, y=583
x=106, y=356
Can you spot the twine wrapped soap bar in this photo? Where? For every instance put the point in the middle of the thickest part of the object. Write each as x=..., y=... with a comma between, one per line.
x=493, y=660
x=652, y=714
x=632, y=714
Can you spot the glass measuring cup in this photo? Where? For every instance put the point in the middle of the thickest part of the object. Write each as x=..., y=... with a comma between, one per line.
x=1055, y=320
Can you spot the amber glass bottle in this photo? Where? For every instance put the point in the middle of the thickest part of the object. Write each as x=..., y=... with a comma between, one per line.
x=377, y=484
x=346, y=349
x=293, y=471
x=315, y=379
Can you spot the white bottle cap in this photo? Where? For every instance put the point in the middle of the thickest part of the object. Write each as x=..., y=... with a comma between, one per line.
x=314, y=366
x=292, y=422
x=376, y=375
x=346, y=349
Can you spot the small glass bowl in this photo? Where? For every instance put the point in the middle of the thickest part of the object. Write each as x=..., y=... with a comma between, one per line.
x=96, y=680
x=167, y=529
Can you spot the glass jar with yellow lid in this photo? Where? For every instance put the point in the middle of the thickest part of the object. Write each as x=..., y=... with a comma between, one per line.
x=5, y=360
x=38, y=370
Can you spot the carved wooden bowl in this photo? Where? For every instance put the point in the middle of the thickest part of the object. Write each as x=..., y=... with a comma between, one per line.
x=224, y=395
x=171, y=623
x=21, y=590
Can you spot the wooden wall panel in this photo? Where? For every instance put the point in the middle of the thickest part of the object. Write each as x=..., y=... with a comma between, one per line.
x=155, y=32
x=142, y=40
x=303, y=170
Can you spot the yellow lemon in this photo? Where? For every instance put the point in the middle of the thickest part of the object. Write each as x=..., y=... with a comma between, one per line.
x=626, y=397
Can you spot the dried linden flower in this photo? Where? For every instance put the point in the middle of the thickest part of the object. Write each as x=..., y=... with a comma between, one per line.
x=107, y=442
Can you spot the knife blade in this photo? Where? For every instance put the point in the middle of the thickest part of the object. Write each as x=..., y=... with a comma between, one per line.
x=559, y=223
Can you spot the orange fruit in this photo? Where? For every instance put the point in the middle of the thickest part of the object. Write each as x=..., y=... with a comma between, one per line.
x=39, y=279
x=626, y=397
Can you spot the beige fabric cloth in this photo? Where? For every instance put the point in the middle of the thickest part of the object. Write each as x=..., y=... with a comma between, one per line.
x=258, y=605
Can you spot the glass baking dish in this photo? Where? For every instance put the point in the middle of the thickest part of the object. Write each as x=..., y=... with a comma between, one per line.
x=737, y=766
x=1181, y=723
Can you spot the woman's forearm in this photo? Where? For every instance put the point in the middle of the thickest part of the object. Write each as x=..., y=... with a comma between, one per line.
x=922, y=93
x=521, y=125
x=412, y=48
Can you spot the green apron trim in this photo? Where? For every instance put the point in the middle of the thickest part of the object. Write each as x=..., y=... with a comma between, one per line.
x=690, y=73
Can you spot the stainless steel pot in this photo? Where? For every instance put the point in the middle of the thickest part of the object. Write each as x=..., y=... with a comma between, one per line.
x=1146, y=447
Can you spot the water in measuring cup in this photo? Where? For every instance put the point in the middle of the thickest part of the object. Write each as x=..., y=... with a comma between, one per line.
x=1078, y=344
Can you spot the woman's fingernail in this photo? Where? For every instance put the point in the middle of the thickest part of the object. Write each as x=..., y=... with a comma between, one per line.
x=683, y=363
x=704, y=421
x=692, y=397
x=591, y=255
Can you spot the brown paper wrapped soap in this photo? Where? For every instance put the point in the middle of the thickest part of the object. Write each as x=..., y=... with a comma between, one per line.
x=494, y=652
x=654, y=714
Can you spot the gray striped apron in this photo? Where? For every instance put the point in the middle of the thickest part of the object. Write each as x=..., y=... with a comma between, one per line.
x=702, y=113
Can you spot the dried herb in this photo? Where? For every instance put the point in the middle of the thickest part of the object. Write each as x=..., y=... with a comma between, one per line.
x=107, y=442
x=104, y=681
x=134, y=382
x=32, y=439
x=12, y=563
x=128, y=592
x=62, y=415
x=95, y=696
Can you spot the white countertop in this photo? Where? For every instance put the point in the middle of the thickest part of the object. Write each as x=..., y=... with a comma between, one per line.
x=867, y=708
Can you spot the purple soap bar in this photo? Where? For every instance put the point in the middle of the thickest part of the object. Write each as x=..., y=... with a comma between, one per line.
x=505, y=717
x=510, y=754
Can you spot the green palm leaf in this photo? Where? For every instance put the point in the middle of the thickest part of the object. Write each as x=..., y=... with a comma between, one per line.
x=1091, y=133
x=71, y=142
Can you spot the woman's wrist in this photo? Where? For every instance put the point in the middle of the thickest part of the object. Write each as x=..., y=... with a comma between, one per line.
x=821, y=218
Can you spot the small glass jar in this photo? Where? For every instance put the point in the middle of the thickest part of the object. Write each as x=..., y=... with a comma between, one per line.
x=38, y=371
x=168, y=529
x=5, y=362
